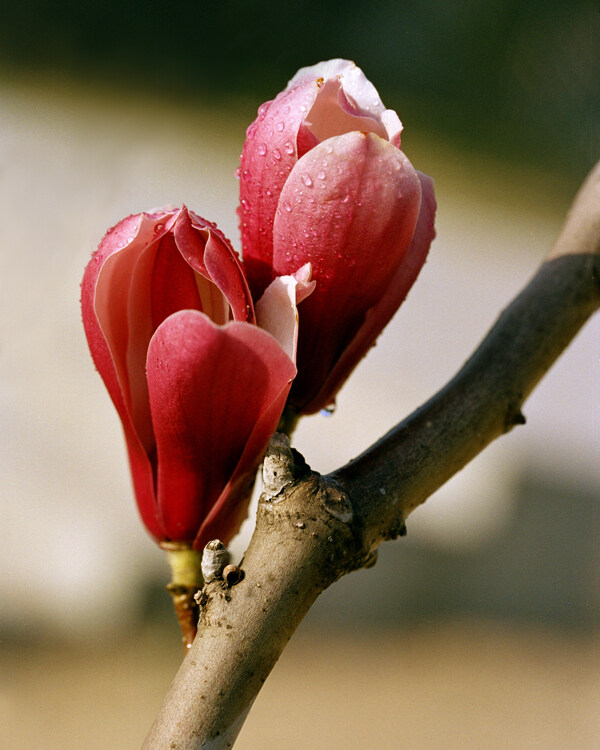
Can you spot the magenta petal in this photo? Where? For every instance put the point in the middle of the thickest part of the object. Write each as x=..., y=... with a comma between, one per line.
x=382, y=312
x=269, y=154
x=114, y=239
x=148, y=267
x=349, y=207
x=216, y=395
x=116, y=325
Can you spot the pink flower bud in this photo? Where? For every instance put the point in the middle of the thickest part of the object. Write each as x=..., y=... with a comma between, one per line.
x=199, y=387
x=323, y=181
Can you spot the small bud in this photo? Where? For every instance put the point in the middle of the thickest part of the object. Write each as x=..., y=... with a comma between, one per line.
x=214, y=558
x=232, y=574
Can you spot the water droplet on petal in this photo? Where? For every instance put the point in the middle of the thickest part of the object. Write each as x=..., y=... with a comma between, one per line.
x=289, y=148
x=321, y=175
x=277, y=154
x=237, y=173
x=307, y=180
x=262, y=149
x=287, y=206
x=280, y=126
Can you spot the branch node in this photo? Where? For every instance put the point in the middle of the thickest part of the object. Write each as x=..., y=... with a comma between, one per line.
x=215, y=557
x=278, y=466
x=335, y=500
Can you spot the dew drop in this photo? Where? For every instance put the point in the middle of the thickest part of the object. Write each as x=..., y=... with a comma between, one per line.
x=307, y=180
x=321, y=174
x=277, y=154
x=289, y=148
x=262, y=149
x=328, y=411
x=280, y=126
x=237, y=173
x=287, y=206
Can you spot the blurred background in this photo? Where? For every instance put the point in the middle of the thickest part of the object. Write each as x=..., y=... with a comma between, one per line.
x=477, y=630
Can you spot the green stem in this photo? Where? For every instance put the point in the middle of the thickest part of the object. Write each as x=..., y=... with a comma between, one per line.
x=186, y=580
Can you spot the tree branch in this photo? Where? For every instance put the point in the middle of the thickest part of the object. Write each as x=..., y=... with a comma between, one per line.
x=311, y=530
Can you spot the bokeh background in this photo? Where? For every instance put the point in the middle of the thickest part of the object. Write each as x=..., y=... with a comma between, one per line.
x=477, y=630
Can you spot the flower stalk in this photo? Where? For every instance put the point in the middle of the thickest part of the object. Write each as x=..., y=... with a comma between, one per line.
x=186, y=581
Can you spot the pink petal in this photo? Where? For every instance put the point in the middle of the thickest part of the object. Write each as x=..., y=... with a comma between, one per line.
x=349, y=207
x=269, y=154
x=221, y=279
x=334, y=113
x=358, y=89
x=216, y=395
x=277, y=309
x=382, y=312
x=117, y=312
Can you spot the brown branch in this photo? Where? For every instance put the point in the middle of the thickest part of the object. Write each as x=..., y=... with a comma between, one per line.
x=311, y=530
x=482, y=402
